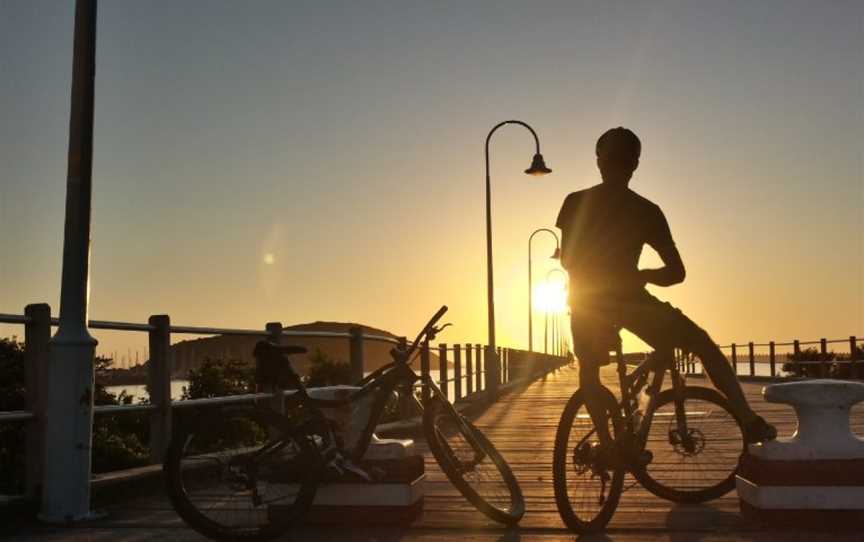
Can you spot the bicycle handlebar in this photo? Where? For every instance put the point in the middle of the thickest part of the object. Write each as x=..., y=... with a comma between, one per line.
x=425, y=331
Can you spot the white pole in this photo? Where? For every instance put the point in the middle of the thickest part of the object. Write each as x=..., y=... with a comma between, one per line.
x=69, y=394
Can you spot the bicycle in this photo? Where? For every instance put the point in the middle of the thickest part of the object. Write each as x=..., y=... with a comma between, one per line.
x=692, y=458
x=251, y=472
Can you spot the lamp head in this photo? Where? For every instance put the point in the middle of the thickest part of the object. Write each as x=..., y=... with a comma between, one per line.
x=538, y=166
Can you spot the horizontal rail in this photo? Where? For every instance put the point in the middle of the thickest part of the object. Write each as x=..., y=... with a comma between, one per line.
x=223, y=400
x=13, y=319
x=114, y=409
x=16, y=415
x=197, y=330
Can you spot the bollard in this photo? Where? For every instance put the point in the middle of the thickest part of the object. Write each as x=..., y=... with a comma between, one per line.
x=818, y=472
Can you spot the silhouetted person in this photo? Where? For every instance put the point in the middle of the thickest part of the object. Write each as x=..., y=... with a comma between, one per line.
x=603, y=230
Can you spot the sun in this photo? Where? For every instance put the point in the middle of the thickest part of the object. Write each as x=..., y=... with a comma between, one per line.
x=269, y=258
x=550, y=297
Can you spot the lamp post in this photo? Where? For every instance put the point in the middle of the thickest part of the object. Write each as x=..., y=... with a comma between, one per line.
x=538, y=167
x=69, y=375
x=556, y=255
x=554, y=316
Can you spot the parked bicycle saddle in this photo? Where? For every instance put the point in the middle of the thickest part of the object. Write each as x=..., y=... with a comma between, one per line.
x=271, y=365
x=269, y=349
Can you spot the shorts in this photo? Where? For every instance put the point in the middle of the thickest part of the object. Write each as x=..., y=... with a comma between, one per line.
x=595, y=323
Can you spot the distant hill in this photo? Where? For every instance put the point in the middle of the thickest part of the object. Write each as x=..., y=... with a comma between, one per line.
x=191, y=353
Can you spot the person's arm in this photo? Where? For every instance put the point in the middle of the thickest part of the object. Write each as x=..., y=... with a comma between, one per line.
x=672, y=271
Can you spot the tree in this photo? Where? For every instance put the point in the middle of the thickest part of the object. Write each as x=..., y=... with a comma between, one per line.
x=324, y=371
x=217, y=377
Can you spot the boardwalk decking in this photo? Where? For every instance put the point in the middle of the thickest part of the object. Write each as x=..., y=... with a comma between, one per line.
x=522, y=426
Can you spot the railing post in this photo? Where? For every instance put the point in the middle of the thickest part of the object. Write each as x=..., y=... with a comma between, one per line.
x=274, y=335
x=823, y=358
x=752, y=358
x=796, y=350
x=853, y=365
x=479, y=366
x=505, y=366
x=37, y=333
x=424, y=368
x=734, y=359
x=469, y=370
x=772, y=359
x=356, y=353
x=442, y=370
x=159, y=381
x=457, y=372
x=406, y=397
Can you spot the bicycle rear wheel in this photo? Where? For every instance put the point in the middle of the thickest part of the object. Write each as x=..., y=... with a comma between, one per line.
x=230, y=476
x=587, y=488
x=472, y=464
x=701, y=466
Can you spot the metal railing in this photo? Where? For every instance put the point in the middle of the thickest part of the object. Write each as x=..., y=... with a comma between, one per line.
x=468, y=366
x=825, y=363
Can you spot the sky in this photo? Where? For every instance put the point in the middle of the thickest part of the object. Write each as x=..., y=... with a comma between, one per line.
x=301, y=161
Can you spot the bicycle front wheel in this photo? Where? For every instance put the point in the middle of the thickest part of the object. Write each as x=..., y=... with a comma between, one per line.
x=587, y=487
x=700, y=465
x=472, y=464
x=231, y=477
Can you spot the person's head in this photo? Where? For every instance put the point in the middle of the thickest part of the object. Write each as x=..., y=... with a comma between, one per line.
x=618, y=153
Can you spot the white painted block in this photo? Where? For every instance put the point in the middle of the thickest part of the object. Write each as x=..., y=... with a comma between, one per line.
x=800, y=497
x=359, y=494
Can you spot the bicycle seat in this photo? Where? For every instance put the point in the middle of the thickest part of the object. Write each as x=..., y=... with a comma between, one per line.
x=266, y=348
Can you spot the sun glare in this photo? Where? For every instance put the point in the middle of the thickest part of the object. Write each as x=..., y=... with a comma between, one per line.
x=550, y=297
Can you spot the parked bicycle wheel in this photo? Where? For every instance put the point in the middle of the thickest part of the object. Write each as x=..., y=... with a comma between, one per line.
x=700, y=465
x=587, y=488
x=230, y=477
x=472, y=463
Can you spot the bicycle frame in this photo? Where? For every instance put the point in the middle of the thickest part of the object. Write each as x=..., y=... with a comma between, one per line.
x=632, y=384
x=382, y=383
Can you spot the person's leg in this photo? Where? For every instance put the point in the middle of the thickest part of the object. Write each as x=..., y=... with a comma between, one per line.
x=664, y=327
x=585, y=330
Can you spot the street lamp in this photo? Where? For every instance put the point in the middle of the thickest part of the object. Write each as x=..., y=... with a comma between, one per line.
x=538, y=167
x=555, y=255
x=554, y=316
x=69, y=389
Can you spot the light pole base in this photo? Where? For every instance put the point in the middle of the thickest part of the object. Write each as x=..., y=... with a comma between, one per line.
x=93, y=515
x=69, y=391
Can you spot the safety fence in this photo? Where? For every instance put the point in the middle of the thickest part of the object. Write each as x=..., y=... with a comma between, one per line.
x=464, y=373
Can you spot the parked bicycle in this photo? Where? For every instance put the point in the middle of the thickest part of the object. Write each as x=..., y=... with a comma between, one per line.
x=684, y=445
x=251, y=472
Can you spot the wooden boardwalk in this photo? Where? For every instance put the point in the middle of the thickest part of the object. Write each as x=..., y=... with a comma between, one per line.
x=522, y=425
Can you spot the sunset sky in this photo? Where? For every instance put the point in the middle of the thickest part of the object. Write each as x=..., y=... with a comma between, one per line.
x=302, y=161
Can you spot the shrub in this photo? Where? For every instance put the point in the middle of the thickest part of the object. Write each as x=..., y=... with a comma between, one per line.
x=216, y=377
x=324, y=371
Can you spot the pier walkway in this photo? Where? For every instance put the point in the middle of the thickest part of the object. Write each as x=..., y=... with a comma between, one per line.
x=522, y=425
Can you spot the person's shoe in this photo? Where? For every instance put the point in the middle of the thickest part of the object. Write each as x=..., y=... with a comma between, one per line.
x=758, y=430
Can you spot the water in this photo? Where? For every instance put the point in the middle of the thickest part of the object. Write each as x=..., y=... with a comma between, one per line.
x=139, y=391
x=760, y=369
